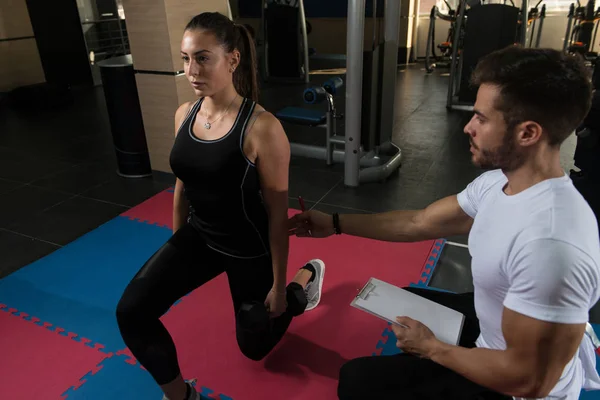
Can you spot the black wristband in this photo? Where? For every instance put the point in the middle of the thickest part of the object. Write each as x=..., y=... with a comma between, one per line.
x=336, y=224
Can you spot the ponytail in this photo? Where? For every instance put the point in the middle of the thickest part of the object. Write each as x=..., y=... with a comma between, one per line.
x=233, y=36
x=245, y=77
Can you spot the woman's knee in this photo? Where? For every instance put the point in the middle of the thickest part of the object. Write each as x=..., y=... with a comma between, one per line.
x=141, y=299
x=252, y=349
x=129, y=307
x=135, y=307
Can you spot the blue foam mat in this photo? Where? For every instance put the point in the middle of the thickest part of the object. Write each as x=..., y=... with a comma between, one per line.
x=78, y=286
x=114, y=380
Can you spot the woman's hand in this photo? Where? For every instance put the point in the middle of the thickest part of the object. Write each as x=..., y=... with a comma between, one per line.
x=276, y=303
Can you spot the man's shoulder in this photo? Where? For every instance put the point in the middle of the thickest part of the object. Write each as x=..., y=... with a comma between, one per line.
x=484, y=182
x=555, y=257
x=490, y=178
x=558, y=213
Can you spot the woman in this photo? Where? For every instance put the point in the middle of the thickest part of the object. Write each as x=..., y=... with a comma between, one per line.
x=229, y=213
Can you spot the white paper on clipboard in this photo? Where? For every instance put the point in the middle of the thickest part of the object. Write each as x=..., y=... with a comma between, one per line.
x=387, y=302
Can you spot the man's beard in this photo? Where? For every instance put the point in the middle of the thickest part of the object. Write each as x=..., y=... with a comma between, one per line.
x=506, y=156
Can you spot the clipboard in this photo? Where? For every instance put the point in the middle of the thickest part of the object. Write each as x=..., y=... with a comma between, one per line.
x=387, y=302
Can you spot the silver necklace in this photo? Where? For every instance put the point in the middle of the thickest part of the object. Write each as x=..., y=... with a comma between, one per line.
x=208, y=124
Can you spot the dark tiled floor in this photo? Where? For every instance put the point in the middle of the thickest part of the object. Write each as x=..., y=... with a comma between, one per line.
x=58, y=178
x=67, y=220
x=18, y=250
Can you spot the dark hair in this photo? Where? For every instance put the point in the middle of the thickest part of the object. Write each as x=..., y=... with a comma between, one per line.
x=547, y=86
x=232, y=36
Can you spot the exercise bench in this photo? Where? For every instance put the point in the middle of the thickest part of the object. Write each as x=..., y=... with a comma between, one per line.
x=316, y=118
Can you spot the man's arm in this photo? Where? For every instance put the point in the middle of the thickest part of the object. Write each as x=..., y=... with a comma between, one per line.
x=535, y=356
x=442, y=218
x=552, y=283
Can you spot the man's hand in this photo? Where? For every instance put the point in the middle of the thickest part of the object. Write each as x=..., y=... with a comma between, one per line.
x=414, y=337
x=311, y=224
x=276, y=303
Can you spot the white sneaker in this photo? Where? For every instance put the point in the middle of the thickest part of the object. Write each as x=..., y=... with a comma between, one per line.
x=313, y=289
x=194, y=395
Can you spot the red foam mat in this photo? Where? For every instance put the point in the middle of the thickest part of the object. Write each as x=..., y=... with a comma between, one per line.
x=43, y=363
x=306, y=363
x=157, y=210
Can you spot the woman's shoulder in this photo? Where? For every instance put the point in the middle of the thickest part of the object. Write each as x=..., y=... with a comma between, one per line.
x=182, y=111
x=263, y=125
x=263, y=117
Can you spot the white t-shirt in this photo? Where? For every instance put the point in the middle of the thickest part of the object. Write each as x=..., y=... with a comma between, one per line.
x=536, y=253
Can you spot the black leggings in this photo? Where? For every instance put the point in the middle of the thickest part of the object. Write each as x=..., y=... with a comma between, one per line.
x=183, y=264
x=404, y=376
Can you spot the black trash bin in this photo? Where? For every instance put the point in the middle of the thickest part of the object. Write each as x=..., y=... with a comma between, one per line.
x=125, y=114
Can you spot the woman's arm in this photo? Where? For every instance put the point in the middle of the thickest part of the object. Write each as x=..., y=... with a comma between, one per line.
x=272, y=150
x=180, y=203
x=180, y=207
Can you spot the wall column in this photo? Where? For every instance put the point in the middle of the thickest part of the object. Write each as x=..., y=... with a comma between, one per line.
x=408, y=21
x=20, y=63
x=155, y=29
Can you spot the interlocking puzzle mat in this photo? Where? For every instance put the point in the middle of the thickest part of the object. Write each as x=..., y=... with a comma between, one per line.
x=70, y=298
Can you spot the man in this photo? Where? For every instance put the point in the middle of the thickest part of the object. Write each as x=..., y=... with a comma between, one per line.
x=534, y=244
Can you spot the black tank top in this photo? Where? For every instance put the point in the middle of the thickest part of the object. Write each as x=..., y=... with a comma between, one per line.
x=222, y=186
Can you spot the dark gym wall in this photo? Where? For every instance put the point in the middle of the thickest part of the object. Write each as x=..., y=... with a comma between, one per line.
x=312, y=8
x=328, y=19
x=20, y=63
x=60, y=41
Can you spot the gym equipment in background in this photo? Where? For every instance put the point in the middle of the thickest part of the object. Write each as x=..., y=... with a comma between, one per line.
x=366, y=149
x=499, y=25
x=375, y=142
x=284, y=41
x=317, y=119
x=536, y=15
x=535, y=19
x=368, y=153
x=582, y=28
x=444, y=60
x=587, y=156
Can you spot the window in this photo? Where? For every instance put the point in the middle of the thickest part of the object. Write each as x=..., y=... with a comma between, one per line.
x=427, y=5
x=559, y=6
x=553, y=6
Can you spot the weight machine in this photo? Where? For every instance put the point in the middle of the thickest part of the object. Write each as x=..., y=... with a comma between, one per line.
x=444, y=47
x=536, y=14
x=582, y=28
x=366, y=148
x=498, y=24
x=379, y=148
x=587, y=151
x=312, y=118
x=285, y=32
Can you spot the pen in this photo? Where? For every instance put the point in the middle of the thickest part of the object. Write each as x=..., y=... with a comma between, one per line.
x=303, y=209
x=301, y=201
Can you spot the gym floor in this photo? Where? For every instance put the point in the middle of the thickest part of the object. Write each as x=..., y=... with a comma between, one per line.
x=58, y=176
